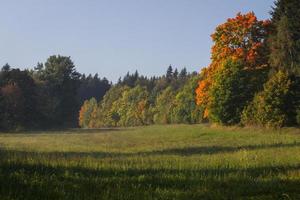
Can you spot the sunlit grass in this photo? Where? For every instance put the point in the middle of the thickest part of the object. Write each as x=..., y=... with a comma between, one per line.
x=155, y=162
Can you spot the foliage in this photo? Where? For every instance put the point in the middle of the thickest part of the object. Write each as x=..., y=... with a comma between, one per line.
x=137, y=100
x=284, y=45
x=240, y=38
x=185, y=108
x=86, y=111
x=48, y=96
x=254, y=67
x=285, y=37
x=59, y=82
x=18, y=99
x=164, y=107
x=92, y=86
x=269, y=107
x=229, y=93
x=132, y=107
x=106, y=114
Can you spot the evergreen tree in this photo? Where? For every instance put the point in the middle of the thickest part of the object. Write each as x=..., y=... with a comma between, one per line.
x=175, y=74
x=92, y=86
x=183, y=74
x=59, y=83
x=169, y=74
x=285, y=49
x=18, y=99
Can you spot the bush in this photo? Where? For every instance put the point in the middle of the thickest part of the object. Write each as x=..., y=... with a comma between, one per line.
x=268, y=107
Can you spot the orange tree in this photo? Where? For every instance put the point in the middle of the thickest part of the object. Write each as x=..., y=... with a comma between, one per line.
x=85, y=112
x=241, y=38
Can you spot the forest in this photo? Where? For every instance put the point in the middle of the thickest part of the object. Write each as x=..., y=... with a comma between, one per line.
x=253, y=80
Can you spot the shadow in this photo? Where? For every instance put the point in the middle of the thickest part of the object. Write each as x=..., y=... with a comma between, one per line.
x=66, y=131
x=95, y=130
x=40, y=181
x=187, y=151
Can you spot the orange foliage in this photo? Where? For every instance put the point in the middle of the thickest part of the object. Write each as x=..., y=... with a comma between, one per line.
x=201, y=92
x=240, y=38
x=82, y=112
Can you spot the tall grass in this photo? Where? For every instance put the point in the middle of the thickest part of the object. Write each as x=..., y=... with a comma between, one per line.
x=155, y=162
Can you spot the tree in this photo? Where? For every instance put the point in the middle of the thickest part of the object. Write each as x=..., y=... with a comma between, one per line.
x=285, y=49
x=18, y=99
x=59, y=82
x=130, y=80
x=230, y=93
x=92, y=86
x=164, y=107
x=241, y=38
x=185, y=108
x=269, y=107
x=105, y=115
x=183, y=74
x=285, y=37
x=152, y=100
x=175, y=74
x=6, y=68
x=169, y=74
x=285, y=54
x=132, y=107
x=85, y=112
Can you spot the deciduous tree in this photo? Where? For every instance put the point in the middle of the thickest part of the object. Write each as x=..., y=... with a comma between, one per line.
x=241, y=38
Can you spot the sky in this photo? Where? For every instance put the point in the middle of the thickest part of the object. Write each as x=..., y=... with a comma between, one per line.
x=112, y=37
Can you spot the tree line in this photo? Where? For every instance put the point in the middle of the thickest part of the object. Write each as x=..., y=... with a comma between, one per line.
x=137, y=100
x=253, y=79
x=48, y=96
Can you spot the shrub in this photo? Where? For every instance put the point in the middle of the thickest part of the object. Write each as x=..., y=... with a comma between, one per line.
x=268, y=107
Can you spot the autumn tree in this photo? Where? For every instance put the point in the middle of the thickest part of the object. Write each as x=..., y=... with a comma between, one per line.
x=106, y=114
x=241, y=38
x=132, y=107
x=185, y=108
x=164, y=107
x=270, y=106
x=85, y=112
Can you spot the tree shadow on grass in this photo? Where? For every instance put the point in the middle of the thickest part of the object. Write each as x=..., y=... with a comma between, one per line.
x=39, y=181
x=66, y=131
x=24, y=176
x=186, y=151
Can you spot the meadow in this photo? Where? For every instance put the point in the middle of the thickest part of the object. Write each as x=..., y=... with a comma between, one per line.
x=153, y=162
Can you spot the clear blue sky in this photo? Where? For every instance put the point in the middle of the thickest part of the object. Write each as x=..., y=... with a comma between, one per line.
x=111, y=37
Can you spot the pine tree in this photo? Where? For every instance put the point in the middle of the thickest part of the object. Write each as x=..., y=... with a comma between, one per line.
x=285, y=40
x=169, y=74
x=285, y=49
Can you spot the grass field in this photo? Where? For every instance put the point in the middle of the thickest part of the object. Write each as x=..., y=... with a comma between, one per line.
x=155, y=162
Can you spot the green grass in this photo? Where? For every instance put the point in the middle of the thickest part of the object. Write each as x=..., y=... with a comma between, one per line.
x=155, y=162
